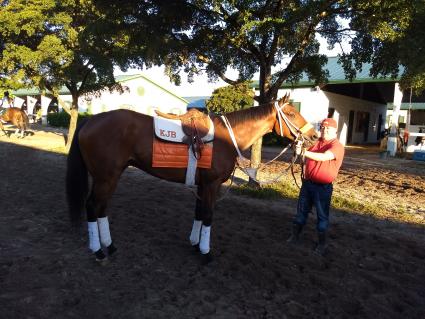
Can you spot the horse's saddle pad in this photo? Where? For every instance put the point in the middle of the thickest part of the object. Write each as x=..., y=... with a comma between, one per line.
x=167, y=154
x=176, y=128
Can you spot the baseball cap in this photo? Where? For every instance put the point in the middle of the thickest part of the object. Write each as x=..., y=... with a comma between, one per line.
x=329, y=122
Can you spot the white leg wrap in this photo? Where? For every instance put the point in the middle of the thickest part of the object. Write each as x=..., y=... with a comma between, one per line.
x=105, y=234
x=196, y=231
x=204, y=245
x=94, y=242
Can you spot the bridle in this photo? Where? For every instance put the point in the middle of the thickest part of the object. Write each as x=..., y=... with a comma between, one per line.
x=297, y=132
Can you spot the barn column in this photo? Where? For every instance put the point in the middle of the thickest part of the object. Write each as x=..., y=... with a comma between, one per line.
x=45, y=101
x=392, y=138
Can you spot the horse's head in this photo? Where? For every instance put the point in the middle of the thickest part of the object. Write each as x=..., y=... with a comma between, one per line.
x=291, y=124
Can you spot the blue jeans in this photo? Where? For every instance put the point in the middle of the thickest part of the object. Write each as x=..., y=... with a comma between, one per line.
x=318, y=195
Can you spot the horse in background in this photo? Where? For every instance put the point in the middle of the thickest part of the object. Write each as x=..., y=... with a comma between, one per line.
x=16, y=117
x=107, y=143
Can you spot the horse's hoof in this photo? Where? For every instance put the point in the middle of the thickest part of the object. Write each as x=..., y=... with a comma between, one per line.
x=320, y=250
x=195, y=248
x=111, y=249
x=100, y=257
x=206, y=258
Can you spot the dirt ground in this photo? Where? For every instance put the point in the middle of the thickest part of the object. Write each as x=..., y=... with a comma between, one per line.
x=375, y=267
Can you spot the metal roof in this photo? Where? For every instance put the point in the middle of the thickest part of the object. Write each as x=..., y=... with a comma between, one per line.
x=337, y=76
x=35, y=91
x=406, y=106
x=118, y=78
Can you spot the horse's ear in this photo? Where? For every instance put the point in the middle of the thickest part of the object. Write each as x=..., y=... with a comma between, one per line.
x=284, y=99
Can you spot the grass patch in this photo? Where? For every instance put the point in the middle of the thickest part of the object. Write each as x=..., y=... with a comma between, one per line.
x=59, y=150
x=288, y=189
x=399, y=213
x=273, y=191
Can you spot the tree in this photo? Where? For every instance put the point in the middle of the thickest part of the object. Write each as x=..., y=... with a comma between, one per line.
x=231, y=98
x=69, y=43
x=392, y=48
x=276, y=39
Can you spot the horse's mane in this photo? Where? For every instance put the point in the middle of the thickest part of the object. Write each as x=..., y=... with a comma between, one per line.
x=250, y=114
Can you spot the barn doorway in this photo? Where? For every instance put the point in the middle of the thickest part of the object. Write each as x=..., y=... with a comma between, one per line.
x=350, y=127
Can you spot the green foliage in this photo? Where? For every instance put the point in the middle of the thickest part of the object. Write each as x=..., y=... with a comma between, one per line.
x=50, y=44
x=288, y=189
x=62, y=119
x=278, y=39
x=78, y=43
x=231, y=98
x=390, y=38
x=277, y=190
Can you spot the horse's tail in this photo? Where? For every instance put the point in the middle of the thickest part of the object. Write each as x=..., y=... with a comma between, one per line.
x=76, y=180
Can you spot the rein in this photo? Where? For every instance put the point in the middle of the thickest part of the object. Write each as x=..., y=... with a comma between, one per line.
x=299, y=138
x=302, y=171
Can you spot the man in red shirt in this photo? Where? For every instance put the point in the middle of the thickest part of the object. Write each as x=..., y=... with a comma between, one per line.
x=322, y=163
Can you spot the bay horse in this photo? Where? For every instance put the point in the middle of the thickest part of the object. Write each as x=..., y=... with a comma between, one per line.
x=16, y=117
x=104, y=145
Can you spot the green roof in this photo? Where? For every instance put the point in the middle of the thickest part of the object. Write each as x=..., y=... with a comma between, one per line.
x=337, y=76
x=119, y=78
x=128, y=77
x=35, y=91
x=406, y=106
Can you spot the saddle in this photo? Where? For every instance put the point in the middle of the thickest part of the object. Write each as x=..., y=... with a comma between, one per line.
x=195, y=125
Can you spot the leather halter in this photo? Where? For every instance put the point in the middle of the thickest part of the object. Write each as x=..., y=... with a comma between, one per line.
x=295, y=130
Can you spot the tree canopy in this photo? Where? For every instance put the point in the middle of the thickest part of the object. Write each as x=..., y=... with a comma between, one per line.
x=278, y=39
x=231, y=98
x=50, y=44
x=393, y=44
x=78, y=43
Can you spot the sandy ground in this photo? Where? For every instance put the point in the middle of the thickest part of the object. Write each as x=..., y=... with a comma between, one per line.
x=375, y=267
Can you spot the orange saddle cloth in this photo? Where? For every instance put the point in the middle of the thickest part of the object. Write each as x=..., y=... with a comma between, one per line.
x=168, y=154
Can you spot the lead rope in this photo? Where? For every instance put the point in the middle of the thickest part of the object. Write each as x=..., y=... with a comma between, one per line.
x=294, y=130
x=302, y=170
x=249, y=171
x=194, y=190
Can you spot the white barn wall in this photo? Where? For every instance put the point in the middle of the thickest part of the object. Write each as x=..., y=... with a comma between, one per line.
x=141, y=95
x=344, y=104
x=315, y=104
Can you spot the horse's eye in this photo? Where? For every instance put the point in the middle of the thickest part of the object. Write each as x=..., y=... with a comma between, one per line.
x=292, y=114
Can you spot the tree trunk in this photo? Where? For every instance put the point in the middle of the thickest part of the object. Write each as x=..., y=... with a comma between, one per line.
x=72, y=127
x=255, y=161
x=264, y=85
